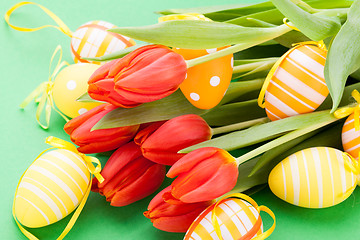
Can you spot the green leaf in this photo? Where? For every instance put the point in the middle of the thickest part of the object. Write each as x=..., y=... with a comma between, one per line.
x=193, y=34
x=346, y=99
x=344, y=55
x=117, y=54
x=314, y=27
x=249, y=67
x=86, y=98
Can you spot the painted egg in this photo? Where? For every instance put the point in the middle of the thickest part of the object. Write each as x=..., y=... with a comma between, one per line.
x=51, y=188
x=313, y=178
x=351, y=137
x=206, y=84
x=236, y=219
x=298, y=84
x=69, y=85
x=92, y=40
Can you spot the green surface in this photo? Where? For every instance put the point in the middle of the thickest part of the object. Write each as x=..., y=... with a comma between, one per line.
x=24, y=64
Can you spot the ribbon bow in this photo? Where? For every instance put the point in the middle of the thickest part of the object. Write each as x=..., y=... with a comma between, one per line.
x=43, y=93
x=346, y=111
x=257, y=225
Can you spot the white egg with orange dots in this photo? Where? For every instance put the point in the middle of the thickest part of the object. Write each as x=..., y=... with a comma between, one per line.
x=296, y=83
x=317, y=177
x=55, y=184
x=236, y=216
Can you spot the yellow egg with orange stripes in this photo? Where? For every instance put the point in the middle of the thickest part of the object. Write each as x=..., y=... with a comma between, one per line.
x=316, y=177
x=237, y=219
x=297, y=85
x=51, y=188
x=93, y=40
x=351, y=137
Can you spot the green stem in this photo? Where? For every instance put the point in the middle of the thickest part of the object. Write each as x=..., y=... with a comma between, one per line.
x=239, y=126
x=278, y=31
x=252, y=66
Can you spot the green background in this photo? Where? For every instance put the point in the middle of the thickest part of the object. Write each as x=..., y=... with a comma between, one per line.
x=24, y=64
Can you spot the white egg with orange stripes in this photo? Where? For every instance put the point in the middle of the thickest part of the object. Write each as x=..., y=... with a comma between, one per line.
x=351, y=137
x=237, y=218
x=93, y=40
x=316, y=177
x=51, y=188
x=297, y=85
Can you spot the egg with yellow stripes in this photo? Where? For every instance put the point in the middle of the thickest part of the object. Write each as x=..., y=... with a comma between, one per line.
x=51, y=188
x=93, y=40
x=351, y=137
x=297, y=85
x=316, y=177
x=237, y=219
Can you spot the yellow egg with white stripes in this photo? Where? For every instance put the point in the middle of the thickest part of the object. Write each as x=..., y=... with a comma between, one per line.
x=51, y=188
x=237, y=218
x=316, y=177
x=93, y=40
x=350, y=137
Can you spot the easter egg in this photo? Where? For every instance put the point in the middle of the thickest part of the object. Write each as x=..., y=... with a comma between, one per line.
x=297, y=85
x=205, y=84
x=92, y=40
x=350, y=137
x=313, y=178
x=69, y=85
x=51, y=188
x=236, y=217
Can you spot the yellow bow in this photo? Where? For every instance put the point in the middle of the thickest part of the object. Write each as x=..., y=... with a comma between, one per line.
x=346, y=111
x=262, y=236
x=43, y=93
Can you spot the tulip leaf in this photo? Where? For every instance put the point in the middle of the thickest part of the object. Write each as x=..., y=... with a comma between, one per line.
x=316, y=27
x=344, y=55
x=169, y=107
x=194, y=34
x=115, y=55
x=86, y=98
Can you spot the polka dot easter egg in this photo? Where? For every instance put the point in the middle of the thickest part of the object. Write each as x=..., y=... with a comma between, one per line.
x=69, y=85
x=317, y=177
x=296, y=83
x=51, y=188
x=232, y=218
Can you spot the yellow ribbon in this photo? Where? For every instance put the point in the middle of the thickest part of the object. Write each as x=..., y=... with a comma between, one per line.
x=346, y=111
x=262, y=236
x=354, y=166
x=185, y=16
x=59, y=143
x=43, y=93
x=61, y=25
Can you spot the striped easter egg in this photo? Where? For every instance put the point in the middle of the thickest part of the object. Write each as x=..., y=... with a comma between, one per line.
x=206, y=84
x=92, y=40
x=51, y=188
x=350, y=137
x=297, y=85
x=313, y=178
x=236, y=217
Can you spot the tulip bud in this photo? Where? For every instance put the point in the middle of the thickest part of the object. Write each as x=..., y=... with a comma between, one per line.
x=129, y=176
x=100, y=140
x=173, y=218
x=161, y=145
x=147, y=74
x=203, y=174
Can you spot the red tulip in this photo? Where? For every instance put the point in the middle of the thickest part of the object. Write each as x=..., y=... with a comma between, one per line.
x=161, y=145
x=173, y=218
x=147, y=74
x=100, y=140
x=129, y=176
x=203, y=174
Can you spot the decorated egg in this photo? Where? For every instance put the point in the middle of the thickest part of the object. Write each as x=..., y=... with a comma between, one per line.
x=51, y=188
x=316, y=177
x=206, y=84
x=93, y=40
x=350, y=137
x=297, y=83
x=236, y=218
x=69, y=85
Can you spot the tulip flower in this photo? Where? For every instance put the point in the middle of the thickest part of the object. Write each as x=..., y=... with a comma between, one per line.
x=162, y=144
x=100, y=140
x=203, y=174
x=147, y=74
x=173, y=218
x=129, y=176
